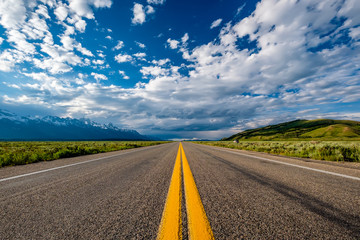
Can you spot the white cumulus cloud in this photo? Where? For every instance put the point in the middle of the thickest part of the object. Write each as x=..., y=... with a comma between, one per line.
x=19, y=39
x=149, y=9
x=161, y=61
x=141, y=45
x=43, y=11
x=123, y=75
x=156, y=1
x=216, y=23
x=83, y=50
x=120, y=58
x=83, y=7
x=61, y=12
x=139, y=14
x=98, y=62
x=119, y=45
x=99, y=76
x=185, y=38
x=173, y=44
x=140, y=55
x=12, y=13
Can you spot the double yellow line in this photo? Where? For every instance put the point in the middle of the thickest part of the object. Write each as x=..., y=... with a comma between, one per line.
x=171, y=225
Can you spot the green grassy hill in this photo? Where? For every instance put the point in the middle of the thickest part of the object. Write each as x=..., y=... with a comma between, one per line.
x=321, y=129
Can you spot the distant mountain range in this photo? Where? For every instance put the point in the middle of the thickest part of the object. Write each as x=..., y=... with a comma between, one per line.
x=321, y=129
x=18, y=128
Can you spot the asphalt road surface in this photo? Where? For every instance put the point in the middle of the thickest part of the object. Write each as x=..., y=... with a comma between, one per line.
x=122, y=195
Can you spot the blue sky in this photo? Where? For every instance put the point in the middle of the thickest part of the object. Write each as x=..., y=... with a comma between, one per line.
x=181, y=69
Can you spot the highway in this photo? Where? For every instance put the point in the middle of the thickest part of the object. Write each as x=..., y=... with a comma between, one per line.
x=186, y=190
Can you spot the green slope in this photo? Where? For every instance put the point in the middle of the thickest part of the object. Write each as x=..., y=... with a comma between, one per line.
x=321, y=129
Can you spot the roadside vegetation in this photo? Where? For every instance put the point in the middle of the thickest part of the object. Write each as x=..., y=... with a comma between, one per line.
x=18, y=153
x=348, y=151
x=305, y=130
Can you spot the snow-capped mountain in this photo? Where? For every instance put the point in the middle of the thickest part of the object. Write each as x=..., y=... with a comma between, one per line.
x=14, y=127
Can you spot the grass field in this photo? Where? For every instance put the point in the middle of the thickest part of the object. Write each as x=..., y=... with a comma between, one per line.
x=304, y=130
x=348, y=151
x=18, y=153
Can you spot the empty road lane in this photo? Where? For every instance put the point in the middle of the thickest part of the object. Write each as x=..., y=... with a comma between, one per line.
x=251, y=198
x=124, y=195
x=117, y=197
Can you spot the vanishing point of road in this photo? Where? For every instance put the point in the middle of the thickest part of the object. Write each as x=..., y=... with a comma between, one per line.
x=174, y=191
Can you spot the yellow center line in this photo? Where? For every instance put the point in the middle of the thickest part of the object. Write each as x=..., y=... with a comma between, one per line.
x=198, y=224
x=170, y=226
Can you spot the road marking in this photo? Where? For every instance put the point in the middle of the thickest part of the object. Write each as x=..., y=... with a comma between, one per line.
x=294, y=165
x=170, y=226
x=198, y=224
x=74, y=164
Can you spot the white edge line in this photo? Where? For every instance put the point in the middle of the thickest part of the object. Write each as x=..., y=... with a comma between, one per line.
x=290, y=164
x=73, y=164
